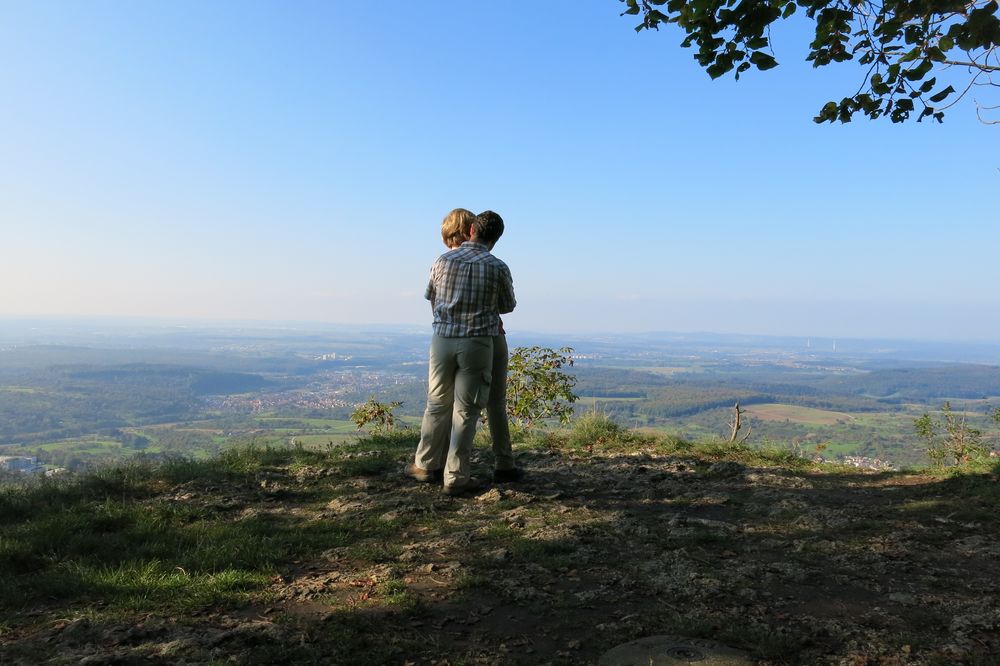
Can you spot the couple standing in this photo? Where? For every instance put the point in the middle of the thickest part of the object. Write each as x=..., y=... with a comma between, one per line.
x=469, y=289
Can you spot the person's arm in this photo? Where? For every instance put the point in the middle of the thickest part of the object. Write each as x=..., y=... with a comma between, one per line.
x=506, y=301
x=430, y=292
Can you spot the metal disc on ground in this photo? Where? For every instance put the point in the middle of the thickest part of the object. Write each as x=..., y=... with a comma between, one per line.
x=674, y=651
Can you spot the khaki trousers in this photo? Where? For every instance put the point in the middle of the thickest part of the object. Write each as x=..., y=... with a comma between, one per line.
x=496, y=407
x=458, y=387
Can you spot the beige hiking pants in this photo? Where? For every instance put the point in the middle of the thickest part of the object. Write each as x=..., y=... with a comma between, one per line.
x=496, y=407
x=458, y=387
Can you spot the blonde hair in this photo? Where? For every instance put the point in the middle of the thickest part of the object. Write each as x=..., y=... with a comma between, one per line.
x=456, y=227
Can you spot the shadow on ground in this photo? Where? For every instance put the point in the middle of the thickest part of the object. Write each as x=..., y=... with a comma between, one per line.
x=361, y=565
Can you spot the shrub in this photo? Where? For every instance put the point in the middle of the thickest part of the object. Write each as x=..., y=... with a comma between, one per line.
x=376, y=414
x=952, y=437
x=537, y=386
x=596, y=429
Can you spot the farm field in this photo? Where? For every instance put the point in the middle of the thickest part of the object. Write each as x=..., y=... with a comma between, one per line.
x=590, y=403
x=671, y=370
x=91, y=445
x=797, y=414
x=278, y=422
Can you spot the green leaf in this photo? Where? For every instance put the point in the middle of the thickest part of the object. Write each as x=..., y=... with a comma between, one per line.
x=632, y=7
x=827, y=114
x=789, y=10
x=934, y=53
x=879, y=87
x=911, y=55
x=723, y=63
x=763, y=61
x=918, y=72
x=937, y=97
x=655, y=17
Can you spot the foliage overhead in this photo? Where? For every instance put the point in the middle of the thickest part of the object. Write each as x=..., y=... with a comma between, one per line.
x=905, y=45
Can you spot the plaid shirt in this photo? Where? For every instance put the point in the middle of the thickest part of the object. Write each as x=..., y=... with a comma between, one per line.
x=469, y=290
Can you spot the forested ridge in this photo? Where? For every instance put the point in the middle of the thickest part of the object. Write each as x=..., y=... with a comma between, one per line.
x=69, y=400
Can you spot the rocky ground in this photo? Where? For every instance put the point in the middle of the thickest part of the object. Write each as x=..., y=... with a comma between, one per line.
x=793, y=564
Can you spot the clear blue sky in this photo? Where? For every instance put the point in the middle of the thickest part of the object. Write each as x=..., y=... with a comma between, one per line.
x=285, y=161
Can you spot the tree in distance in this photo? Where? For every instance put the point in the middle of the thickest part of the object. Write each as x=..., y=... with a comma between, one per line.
x=958, y=441
x=903, y=44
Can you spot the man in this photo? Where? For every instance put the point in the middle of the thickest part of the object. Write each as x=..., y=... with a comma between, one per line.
x=453, y=235
x=469, y=289
x=496, y=409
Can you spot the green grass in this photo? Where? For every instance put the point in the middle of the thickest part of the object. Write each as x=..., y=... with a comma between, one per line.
x=375, y=553
x=251, y=530
x=500, y=532
x=593, y=432
x=102, y=536
x=77, y=553
x=90, y=445
x=596, y=433
x=152, y=584
x=324, y=438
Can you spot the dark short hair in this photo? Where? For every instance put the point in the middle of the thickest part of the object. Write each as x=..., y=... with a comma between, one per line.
x=489, y=226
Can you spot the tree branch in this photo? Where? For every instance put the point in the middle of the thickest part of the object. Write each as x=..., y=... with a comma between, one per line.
x=972, y=65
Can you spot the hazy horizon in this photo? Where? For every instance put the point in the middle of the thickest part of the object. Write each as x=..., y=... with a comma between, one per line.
x=12, y=325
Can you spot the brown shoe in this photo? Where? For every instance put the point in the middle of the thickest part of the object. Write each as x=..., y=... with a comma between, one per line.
x=470, y=487
x=424, y=475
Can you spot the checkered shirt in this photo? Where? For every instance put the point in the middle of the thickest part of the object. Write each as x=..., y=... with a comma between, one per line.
x=469, y=289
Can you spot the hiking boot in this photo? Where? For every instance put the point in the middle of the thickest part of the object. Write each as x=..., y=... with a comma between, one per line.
x=470, y=487
x=512, y=475
x=424, y=475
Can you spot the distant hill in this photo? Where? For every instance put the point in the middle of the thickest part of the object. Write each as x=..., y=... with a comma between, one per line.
x=69, y=400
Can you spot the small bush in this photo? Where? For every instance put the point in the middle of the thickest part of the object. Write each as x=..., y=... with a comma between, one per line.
x=537, y=387
x=597, y=430
x=952, y=438
x=377, y=415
